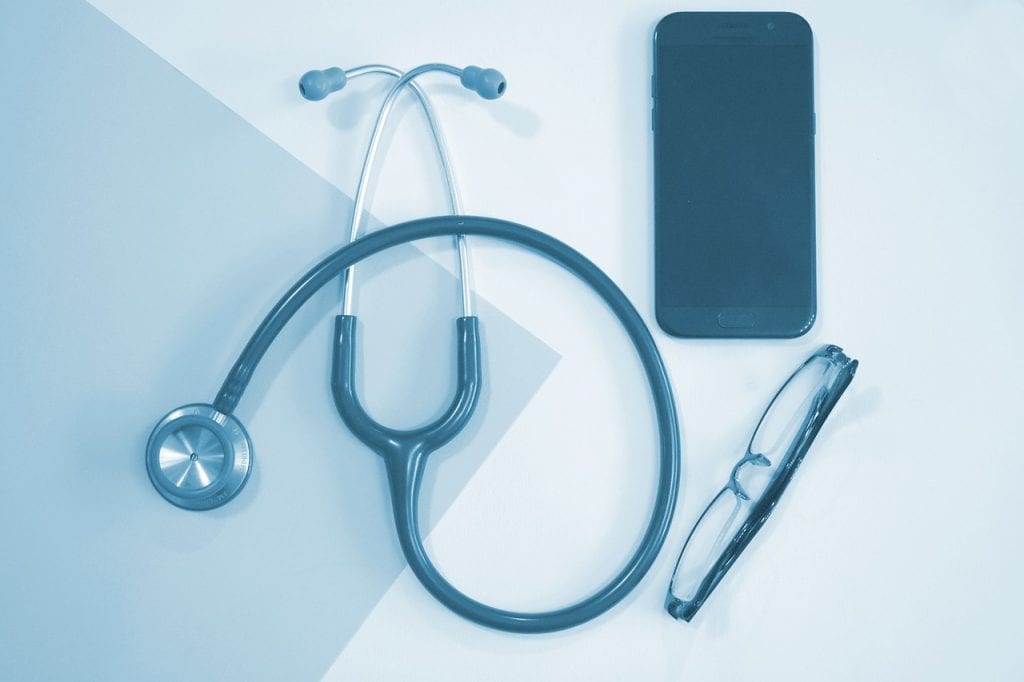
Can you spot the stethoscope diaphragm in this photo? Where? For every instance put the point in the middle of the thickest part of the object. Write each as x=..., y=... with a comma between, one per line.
x=198, y=457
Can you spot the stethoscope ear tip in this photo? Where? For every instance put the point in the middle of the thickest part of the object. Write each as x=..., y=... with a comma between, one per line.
x=198, y=457
x=317, y=84
x=488, y=83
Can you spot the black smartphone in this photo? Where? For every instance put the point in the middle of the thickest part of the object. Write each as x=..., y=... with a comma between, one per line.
x=734, y=131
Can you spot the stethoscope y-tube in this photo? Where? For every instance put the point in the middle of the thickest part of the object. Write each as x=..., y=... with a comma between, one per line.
x=405, y=458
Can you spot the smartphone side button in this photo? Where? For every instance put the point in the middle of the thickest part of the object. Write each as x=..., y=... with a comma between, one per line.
x=736, y=320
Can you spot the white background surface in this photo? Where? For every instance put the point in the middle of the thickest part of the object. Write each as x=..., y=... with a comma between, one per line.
x=896, y=554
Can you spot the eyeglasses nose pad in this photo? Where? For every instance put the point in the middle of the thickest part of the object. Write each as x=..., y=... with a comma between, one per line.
x=734, y=483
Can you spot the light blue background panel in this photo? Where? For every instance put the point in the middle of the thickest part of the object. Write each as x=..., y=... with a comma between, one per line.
x=146, y=230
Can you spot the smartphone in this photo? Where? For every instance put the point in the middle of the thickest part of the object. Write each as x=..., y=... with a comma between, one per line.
x=734, y=132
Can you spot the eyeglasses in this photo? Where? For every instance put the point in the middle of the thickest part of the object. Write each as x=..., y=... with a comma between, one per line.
x=781, y=439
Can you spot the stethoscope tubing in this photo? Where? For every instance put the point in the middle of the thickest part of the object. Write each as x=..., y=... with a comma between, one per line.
x=669, y=467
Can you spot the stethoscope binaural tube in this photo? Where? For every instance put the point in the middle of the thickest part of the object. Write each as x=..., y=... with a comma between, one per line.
x=405, y=469
x=403, y=81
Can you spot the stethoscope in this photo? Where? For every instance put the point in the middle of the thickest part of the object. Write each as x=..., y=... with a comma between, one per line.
x=199, y=456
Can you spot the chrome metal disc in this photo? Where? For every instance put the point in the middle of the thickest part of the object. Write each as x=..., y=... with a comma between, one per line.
x=198, y=458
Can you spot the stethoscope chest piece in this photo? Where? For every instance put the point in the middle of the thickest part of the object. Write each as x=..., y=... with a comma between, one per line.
x=198, y=458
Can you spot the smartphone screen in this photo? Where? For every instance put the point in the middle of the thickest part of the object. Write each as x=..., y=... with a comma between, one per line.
x=734, y=174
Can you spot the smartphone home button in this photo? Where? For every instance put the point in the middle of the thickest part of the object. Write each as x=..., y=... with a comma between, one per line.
x=736, y=320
